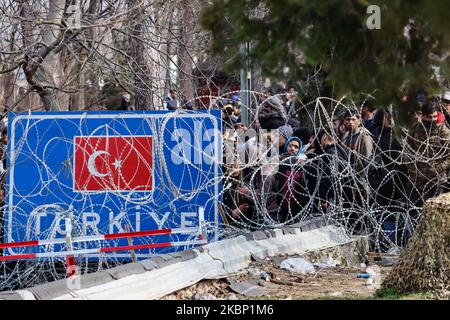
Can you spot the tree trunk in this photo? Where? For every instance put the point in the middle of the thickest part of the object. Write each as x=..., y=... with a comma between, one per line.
x=46, y=76
x=50, y=100
x=424, y=265
x=142, y=81
x=187, y=25
x=78, y=99
x=6, y=91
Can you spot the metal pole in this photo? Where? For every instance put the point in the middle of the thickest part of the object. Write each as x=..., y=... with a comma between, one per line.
x=246, y=78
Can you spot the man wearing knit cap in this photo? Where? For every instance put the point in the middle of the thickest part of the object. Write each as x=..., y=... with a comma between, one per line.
x=272, y=115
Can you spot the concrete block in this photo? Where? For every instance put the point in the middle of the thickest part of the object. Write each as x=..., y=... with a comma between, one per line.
x=291, y=230
x=249, y=236
x=249, y=288
x=48, y=291
x=162, y=260
x=158, y=261
x=95, y=279
x=271, y=233
x=288, y=230
x=183, y=255
x=188, y=255
x=277, y=233
x=149, y=264
x=10, y=295
x=126, y=270
x=200, y=249
x=312, y=224
x=170, y=256
x=170, y=259
x=231, y=253
x=259, y=235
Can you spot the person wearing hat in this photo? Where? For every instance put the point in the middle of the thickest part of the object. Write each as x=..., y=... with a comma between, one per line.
x=236, y=100
x=284, y=133
x=293, y=148
x=272, y=116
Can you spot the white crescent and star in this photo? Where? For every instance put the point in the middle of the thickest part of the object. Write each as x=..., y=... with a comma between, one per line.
x=92, y=167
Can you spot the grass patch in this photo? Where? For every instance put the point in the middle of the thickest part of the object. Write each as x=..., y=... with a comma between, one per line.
x=394, y=294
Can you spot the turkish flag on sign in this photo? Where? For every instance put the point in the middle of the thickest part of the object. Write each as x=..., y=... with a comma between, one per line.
x=109, y=163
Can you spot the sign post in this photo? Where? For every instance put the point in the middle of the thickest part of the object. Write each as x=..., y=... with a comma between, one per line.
x=149, y=170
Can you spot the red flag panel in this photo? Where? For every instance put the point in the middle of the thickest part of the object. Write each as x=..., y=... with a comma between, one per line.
x=108, y=163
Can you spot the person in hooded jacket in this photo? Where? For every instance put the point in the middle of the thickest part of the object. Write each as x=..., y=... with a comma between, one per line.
x=291, y=185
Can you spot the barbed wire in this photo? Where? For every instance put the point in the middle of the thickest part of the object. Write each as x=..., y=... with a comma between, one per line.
x=264, y=192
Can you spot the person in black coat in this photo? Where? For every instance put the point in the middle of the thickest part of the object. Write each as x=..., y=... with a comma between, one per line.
x=390, y=194
x=237, y=202
x=389, y=149
x=272, y=115
x=333, y=161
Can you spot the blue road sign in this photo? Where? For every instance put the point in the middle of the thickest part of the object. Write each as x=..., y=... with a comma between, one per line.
x=109, y=171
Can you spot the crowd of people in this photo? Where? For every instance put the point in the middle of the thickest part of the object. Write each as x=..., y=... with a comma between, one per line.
x=350, y=166
x=347, y=164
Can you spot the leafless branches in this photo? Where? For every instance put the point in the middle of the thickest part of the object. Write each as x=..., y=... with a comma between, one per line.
x=70, y=52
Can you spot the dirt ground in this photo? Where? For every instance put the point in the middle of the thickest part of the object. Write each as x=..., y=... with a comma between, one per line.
x=324, y=283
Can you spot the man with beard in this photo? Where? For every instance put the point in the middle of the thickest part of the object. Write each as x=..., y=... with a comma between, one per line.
x=429, y=143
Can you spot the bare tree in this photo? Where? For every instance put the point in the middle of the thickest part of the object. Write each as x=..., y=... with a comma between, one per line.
x=72, y=52
x=186, y=35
